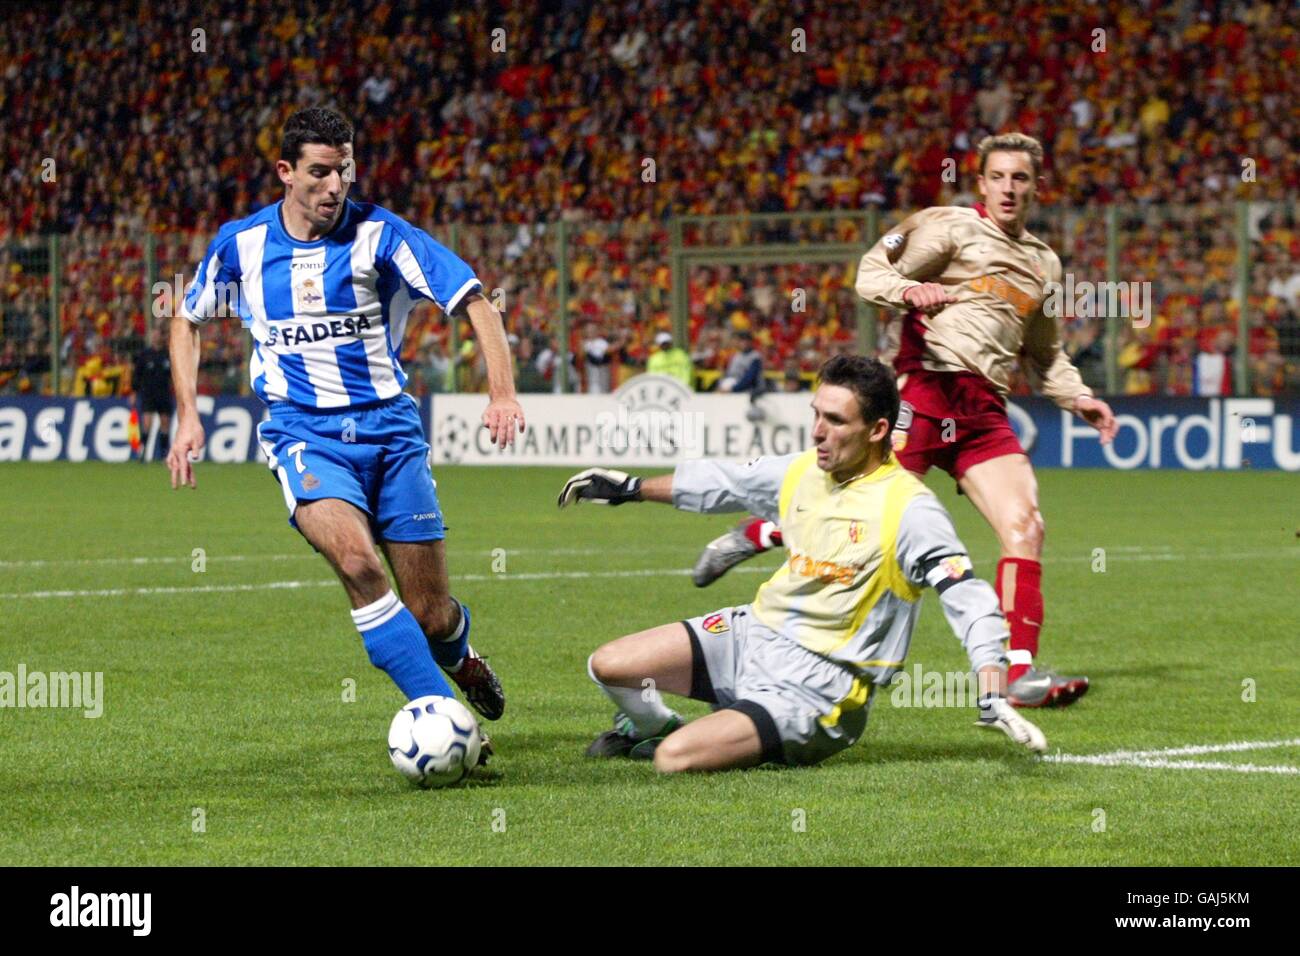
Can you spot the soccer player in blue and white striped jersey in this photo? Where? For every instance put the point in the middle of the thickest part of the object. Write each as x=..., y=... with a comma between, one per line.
x=325, y=285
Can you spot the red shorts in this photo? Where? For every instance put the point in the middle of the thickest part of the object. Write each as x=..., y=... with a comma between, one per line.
x=957, y=420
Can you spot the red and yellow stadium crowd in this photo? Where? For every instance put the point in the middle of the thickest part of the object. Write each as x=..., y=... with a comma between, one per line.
x=122, y=123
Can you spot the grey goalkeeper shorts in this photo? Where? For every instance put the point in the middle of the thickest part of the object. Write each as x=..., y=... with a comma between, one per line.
x=806, y=707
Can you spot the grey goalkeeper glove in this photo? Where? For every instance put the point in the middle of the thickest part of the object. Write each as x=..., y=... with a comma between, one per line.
x=601, y=486
x=996, y=713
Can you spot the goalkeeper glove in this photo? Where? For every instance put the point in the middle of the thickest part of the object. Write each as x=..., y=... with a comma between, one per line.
x=602, y=486
x=996, y=713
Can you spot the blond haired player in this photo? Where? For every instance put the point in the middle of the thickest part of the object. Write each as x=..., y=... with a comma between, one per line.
x=791, y=676
x=972, y=282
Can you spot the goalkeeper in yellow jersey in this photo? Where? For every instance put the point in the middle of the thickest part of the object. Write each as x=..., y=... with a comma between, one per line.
x=792, y=675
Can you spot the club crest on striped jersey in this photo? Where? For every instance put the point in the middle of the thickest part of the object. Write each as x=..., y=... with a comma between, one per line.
x=715, y=624
x=308, y=294
x=328, y=317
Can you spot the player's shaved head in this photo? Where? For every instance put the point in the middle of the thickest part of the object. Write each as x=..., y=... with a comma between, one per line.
x=315, y=125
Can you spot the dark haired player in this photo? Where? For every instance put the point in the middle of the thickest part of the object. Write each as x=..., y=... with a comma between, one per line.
x=792, y=675
x=325, y=284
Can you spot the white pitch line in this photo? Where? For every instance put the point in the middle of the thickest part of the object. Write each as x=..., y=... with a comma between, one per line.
x=504, y=576
x=162, y=559
x=1129, y=554
x=1176, y=764
x=300, y=555
x=1157, y=759
x=199, y=589
x=1140, y=548
x=326, y=582
x=1198, y=749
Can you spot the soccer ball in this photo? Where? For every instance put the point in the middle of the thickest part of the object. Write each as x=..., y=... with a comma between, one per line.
x=434, y=741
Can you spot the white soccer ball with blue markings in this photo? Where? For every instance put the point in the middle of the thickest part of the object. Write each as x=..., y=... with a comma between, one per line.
x=434, y=741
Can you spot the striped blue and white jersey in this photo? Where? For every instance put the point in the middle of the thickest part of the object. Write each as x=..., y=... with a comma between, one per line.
x=327, y=317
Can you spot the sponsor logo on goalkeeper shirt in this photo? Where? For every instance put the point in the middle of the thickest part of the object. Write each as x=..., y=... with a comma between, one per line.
x=826, y=571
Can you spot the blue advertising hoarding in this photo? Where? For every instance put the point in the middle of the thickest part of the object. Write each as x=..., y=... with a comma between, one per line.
x=1196, y=434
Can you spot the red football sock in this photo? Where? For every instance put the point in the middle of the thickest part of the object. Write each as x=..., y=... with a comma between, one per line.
x=764, y=534
x=1020, y=593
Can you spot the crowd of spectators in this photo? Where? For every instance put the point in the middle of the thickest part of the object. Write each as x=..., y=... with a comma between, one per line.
x=120, y=123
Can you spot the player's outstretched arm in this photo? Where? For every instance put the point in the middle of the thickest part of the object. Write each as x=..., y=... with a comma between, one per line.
x=183, y=346
x=929, y=552
x=607, y=486
x=504, y=417
x=701, y=485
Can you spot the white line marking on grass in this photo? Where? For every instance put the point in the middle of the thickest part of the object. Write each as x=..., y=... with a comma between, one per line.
x=1160, y=553
x=162, y=559
x=291, y=585
x=300, y=555
x=1197, y=749
x=517, y=576
x=199, y=589
x=1158, y=759
x=1175, y=556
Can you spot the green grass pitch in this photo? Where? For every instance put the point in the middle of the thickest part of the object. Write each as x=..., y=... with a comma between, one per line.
x=226, y=737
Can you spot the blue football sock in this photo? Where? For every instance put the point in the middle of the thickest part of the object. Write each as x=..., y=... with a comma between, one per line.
x=450, y=651
x=396, y=645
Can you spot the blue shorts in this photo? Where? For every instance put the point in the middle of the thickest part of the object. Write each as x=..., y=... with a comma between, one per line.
x=375, y=458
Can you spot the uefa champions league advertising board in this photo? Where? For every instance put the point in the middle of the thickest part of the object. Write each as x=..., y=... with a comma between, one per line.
x=654, y=421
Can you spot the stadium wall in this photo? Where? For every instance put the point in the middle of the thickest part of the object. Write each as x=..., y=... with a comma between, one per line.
x=654, y=422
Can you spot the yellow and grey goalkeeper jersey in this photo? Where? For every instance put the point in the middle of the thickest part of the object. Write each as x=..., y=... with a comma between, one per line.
x=999, y=283
x=859, y=554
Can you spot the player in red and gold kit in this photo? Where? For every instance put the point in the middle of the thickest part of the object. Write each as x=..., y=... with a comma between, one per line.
x=971, y=284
